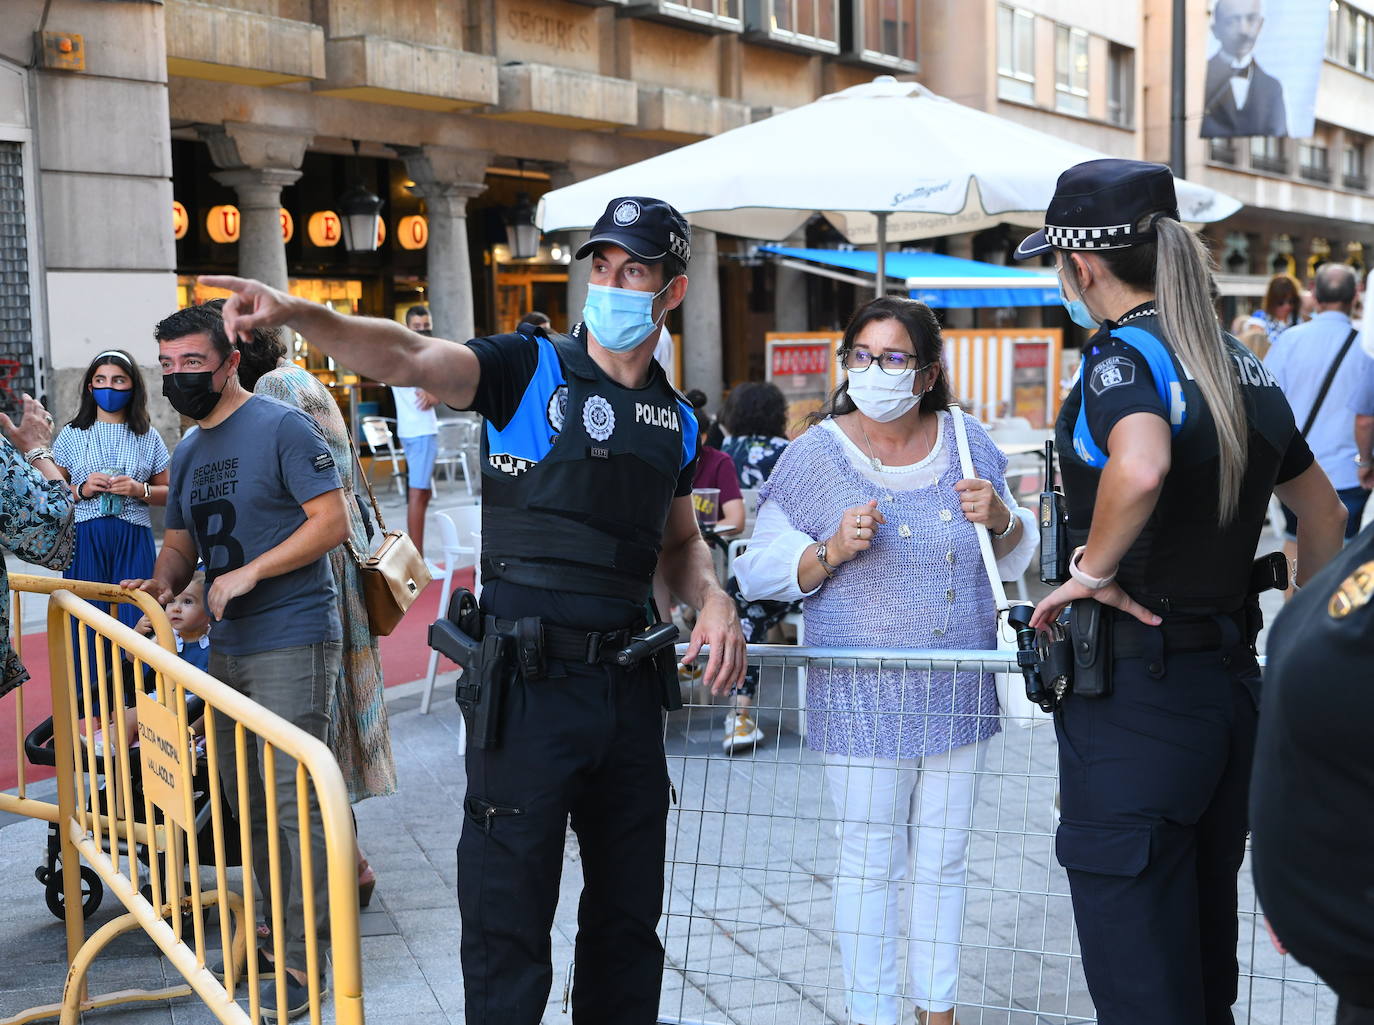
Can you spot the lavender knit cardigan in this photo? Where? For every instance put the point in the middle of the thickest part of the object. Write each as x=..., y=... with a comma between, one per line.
x=920, y=585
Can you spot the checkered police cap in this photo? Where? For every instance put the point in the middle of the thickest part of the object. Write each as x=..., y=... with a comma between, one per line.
x=1104, y=204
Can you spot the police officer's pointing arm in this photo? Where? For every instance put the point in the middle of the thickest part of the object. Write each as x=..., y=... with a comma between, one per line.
x=373, y=347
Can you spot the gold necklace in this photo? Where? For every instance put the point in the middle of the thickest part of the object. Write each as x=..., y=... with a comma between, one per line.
x=877, y=465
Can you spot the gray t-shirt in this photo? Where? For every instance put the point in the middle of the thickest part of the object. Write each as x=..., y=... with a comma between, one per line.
x=238, y=488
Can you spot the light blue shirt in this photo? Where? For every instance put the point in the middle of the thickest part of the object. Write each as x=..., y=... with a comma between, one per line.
x=1299, y=360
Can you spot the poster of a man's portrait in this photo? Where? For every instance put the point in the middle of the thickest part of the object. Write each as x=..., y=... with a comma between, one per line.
x=1263, y=65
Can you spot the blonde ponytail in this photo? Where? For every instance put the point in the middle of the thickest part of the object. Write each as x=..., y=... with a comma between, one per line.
x=1183, y=271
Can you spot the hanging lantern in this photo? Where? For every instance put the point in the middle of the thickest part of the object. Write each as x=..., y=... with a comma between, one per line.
x=412, y=232
x=522, y=236
x=181, y=220
x=222, y=222
x=288, y=225
x=324, y=229
x=360, y=212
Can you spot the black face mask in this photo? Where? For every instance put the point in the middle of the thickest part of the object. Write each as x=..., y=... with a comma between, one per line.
x=192, y=394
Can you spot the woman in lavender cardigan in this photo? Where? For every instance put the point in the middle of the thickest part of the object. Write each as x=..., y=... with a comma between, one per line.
x=867, y=518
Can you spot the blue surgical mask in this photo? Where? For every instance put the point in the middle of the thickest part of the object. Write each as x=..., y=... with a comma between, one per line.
x=112, y=400
x=1077, y=309
x=620, y=318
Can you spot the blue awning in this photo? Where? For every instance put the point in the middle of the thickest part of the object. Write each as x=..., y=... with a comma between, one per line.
x=944, y=282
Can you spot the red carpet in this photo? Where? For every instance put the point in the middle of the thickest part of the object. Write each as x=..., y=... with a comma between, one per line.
x=405, y=657
x=405, y=654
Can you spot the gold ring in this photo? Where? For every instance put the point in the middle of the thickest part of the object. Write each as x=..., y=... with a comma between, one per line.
x=858, y=532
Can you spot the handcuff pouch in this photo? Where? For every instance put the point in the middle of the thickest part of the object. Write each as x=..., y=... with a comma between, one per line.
x=1090, y=630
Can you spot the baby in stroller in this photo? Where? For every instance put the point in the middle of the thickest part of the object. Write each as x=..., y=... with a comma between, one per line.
x=190, y=624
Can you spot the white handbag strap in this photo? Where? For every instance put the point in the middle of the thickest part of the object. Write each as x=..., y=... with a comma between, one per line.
x=999, y=593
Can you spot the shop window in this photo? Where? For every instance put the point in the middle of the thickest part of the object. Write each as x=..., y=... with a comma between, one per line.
x=1120, y=85
x=1314, y=162
x=1268, y=153
x=1071, y=71
x=812, y=25
x=1015, y=54
x=881, y=32
x=1353, y=174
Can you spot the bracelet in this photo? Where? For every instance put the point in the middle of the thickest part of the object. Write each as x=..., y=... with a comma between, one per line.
x=34, y=454
x=1091, y=583
x=820, y=557
x=147, y=492
x=80, y=495
x=1011, y=525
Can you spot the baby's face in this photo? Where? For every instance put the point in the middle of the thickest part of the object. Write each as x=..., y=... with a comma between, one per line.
x=186, y=611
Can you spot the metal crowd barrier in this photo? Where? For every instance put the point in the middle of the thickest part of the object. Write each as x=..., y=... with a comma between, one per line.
x=141, y=804
x=753, y=846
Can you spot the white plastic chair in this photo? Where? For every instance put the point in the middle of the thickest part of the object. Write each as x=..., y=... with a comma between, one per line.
x=454, y=450
x=382, y=443
x=460, y=544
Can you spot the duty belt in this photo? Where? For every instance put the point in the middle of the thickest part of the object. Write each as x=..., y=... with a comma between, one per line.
x=591, y=647
x=1130, y=638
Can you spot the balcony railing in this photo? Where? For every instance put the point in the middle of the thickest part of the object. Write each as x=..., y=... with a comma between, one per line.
x=1357, y=182
x=1314, y=174
x=1274, y=165
x=1223, y=152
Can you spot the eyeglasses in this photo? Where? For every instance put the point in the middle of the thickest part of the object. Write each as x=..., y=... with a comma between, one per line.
x=894, y=363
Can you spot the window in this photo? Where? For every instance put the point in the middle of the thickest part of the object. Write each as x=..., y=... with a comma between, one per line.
x=1314, y=161
x=1350, y=37
x=1353, y=172
x=1223, y=151
x=886, y=32
x=1120, y=85
x=1015, y=54
x=720, y=15
x=807, y=24
x=1071, y=71
x=1268, y=154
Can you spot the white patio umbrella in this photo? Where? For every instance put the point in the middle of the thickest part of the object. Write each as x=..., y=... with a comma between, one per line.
x=888, y=161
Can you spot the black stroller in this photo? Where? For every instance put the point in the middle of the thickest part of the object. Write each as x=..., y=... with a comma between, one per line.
x=39, y=750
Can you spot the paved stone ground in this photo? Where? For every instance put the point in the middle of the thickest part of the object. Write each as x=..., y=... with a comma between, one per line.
x=748, y=909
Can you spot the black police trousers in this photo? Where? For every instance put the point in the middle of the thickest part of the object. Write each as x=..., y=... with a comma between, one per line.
x=1154, y=785
x=585, y=744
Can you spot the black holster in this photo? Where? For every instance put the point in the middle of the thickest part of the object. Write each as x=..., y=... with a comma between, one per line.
x=1090, y=630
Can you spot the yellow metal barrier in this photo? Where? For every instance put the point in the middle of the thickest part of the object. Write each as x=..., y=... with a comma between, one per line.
x=153, y=768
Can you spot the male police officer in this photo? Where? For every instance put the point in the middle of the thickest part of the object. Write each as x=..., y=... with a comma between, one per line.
x=588, y=461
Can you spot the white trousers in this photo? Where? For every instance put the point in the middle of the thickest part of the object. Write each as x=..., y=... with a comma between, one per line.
x=902, y=820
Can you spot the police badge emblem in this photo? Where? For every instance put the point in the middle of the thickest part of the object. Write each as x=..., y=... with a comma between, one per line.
x=598, y=418
x=626, y=213
x=557, y=411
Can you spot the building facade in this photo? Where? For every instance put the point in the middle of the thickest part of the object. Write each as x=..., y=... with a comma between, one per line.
x=144, y=142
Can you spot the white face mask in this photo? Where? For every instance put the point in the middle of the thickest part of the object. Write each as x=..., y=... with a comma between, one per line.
x=882, y=396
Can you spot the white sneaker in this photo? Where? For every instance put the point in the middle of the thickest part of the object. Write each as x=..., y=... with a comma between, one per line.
x=741, y=731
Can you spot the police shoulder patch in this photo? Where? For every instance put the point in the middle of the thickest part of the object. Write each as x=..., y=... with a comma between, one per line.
x=1111, y=373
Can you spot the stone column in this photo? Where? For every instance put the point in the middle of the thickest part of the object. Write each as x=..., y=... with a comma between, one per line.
x=790, y=311
x=961, y=246
x=578, y=270
x=702, y=360
x=257, y=162
x=446, y=179
x=262, y=253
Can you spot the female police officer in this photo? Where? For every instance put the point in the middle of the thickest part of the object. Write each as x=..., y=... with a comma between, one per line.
x=1171, y=442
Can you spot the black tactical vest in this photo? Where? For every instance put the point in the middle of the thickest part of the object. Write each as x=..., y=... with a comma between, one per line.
x=1183, y=560
x=589, y=516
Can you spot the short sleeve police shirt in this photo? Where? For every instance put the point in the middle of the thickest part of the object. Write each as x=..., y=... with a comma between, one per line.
x=1117, y=382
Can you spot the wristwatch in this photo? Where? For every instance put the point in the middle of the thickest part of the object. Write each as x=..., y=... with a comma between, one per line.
x=147, y=492
x=1091, y=583
x=820, y=557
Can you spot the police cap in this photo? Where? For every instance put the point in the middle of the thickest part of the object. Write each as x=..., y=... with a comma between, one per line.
x=648, y=229
x=1104, y=204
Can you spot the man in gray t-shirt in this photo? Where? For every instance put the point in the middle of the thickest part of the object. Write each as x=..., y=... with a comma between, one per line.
x=255, y=494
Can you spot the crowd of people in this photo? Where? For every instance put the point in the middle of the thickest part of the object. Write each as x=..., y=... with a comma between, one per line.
x=1172, y=441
